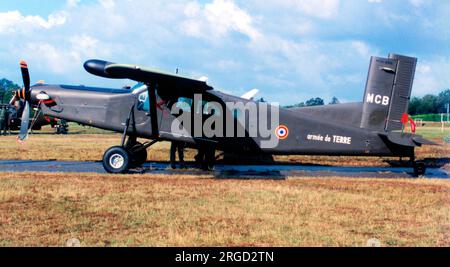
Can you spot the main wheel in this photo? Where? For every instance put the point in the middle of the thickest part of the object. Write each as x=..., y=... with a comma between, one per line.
x=138, y=154
x=116, y=160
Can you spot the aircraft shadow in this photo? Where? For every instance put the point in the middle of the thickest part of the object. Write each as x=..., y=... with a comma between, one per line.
x=429, y=162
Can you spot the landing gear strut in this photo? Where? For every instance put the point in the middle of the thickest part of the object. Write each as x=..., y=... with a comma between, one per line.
x=130, y=154
x=138, y=154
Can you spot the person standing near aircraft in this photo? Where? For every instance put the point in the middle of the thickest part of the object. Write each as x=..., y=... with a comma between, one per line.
x=174, y=147
x=5, y=117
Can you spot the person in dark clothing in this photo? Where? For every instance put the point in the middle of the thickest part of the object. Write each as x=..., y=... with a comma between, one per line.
x=174, y=147
x=205, y=157
x=200, y=157
x=3, y=120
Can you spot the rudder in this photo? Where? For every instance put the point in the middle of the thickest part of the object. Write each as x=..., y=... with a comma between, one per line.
x=388, y=90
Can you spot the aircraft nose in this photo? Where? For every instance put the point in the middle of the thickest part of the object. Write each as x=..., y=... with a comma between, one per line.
x=38, y=93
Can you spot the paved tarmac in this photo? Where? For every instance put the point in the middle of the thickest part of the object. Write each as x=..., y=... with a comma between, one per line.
x=276, y=171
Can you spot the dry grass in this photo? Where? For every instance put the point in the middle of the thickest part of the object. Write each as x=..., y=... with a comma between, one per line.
x=79, y=147
x=46, y=209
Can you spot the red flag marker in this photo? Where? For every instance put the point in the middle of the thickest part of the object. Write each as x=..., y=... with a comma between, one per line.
x=405, y=118
x=413, y=125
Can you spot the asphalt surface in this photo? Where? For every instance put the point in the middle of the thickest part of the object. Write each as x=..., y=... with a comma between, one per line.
x=228, y=171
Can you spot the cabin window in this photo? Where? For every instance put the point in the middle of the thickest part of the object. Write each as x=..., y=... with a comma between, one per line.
x=143, y=102
x=184, y=104
x=211, y=107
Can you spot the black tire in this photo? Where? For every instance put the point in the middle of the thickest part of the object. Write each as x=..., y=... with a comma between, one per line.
x=116, y=160
x=138, y=154
x=419, y=169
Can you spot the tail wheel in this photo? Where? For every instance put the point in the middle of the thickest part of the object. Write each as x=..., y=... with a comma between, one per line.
x=139, y=154
x=116, y=160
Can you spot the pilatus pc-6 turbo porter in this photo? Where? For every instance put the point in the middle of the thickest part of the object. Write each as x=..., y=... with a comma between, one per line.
x=372, y=127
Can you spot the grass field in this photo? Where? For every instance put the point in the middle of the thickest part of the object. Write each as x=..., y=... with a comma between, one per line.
x=46, y=209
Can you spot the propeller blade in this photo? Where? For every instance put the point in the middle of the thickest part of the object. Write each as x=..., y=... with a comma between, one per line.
x=13, y=99
x=25, y=74
x=23, y=134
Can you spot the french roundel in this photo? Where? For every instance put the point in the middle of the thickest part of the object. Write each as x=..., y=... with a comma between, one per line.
x=282, y=132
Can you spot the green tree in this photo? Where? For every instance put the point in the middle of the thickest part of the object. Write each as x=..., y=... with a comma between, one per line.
x=443, y=100
x=428, y=105
x=299, y=105
x=334, y=101
x=7, y=89
x=414, y=104
x=315, y=102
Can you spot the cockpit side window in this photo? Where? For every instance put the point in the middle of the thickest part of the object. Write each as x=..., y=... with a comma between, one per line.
x=143, y=102
x=184, y=103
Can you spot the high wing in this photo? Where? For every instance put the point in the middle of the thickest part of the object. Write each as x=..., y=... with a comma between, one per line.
x=143, y=74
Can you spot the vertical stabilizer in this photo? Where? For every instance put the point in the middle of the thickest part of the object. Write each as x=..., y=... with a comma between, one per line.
x=388, y=90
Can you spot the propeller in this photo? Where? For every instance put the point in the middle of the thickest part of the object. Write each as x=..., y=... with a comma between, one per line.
x=24, y=94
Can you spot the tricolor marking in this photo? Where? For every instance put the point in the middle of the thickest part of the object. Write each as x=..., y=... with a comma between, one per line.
x=282, y=132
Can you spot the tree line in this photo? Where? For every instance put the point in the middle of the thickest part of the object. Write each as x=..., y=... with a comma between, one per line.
x=314, y=102
x=430, y=104
x=7, y=89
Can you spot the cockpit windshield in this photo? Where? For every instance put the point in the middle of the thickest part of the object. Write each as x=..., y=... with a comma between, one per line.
x=137, y=86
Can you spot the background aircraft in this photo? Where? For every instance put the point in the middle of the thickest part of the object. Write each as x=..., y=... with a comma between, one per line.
x=368, y=128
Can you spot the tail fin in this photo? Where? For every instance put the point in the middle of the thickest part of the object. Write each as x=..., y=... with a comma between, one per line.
x=388, y=90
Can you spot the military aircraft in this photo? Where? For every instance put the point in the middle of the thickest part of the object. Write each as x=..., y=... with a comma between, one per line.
x=372, y=127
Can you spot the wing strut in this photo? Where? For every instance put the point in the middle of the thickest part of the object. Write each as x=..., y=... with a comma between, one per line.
x=153, y=112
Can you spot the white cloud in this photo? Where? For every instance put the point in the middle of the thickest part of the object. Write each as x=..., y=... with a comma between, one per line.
x=108, y=4
x=217, y=19
x=72, y=3
x=14, y=21
x=432, y=76
x=417, y=3
x=362, y=48
x=316, y=8
x=63, y=58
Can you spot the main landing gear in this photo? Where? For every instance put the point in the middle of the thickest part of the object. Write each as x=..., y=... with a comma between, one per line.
x=120, y=159
x=130, y=154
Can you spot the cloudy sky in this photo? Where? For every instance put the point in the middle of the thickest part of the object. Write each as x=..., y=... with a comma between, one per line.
x=291, y=50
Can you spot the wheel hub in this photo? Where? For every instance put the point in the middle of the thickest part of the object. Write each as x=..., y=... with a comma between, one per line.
x=116, y=161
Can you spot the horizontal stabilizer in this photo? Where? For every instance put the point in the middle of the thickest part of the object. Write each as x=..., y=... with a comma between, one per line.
x=406, y=139
x=422, y=141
